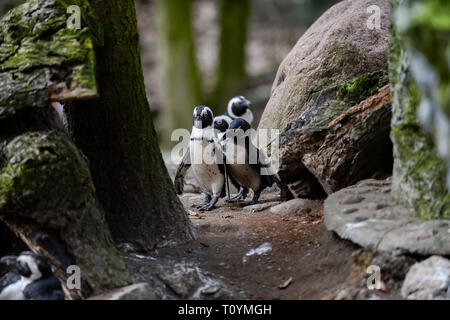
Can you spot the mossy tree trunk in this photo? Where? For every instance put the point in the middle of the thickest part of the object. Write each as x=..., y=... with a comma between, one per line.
x=419, y=173
x=46, y=192
x=181, y=82
x=117, y=135
x=231, y=73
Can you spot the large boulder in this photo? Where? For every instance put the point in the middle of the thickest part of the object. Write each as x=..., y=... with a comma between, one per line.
x=339, y=63
x=419, y=72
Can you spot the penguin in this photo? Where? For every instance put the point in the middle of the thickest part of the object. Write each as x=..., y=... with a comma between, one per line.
x=240, y=167
x=208, y=172
x=239, y=107
x=222, y=123
x=31, y=279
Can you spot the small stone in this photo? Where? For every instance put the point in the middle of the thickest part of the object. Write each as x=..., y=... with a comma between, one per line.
x=427, y=280
x=352, y=199
x=285, y=284
x=210, y=290
x=292, y=207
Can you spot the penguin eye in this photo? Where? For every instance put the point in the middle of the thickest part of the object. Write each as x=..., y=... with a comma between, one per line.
x=204, y=113
x=219, y=121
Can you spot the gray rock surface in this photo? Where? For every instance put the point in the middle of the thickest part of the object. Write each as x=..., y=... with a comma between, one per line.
x=427, y=280
x=174, y=279
x=389, y=228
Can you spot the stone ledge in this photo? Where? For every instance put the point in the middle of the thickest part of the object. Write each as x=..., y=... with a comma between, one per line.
x=367, y=215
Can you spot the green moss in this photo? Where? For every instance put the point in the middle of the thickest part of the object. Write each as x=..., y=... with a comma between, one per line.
x=354, y=91
x=419, y=174
x=46, y=180
x=40, y=51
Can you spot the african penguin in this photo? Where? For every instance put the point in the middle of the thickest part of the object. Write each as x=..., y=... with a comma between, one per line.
x=30, y=279
x=239, y=107
x=245, y=165
x=222, y=123
x=205, y=167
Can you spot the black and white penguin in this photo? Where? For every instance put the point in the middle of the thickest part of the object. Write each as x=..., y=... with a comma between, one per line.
x=243, y=161
x=30, y=279
x=222, y=123
x=239, y=107
x=207, y=170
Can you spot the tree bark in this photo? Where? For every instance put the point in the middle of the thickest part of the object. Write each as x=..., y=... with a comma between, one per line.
x=179, y=71
x=231, y=73
x=46, y=192
x=117, y=135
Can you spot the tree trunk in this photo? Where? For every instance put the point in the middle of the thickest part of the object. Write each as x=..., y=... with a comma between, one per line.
x=180, y=76
x=46, y=192
x=116, y=133
x=234, y=18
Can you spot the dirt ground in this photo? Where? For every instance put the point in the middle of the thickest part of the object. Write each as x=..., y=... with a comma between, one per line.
x=306, y=261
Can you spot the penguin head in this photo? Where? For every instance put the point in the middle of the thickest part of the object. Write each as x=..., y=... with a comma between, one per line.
x=239, y=123
x=238, y=107
x=28, y=264
x=239, y=128
x=222, y=123
x=203, y=117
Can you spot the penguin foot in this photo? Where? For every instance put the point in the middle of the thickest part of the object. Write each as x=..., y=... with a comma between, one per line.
x=209, y=205
x=204, y=203
x=255, y=198
x=239, y=197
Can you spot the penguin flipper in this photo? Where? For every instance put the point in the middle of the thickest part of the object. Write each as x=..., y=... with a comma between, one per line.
x=181, y=173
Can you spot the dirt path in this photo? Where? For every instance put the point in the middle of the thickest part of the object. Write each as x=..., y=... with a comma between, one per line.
x=319, y=264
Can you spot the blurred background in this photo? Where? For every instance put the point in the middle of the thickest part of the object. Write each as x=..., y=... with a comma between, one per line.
x=207, y=51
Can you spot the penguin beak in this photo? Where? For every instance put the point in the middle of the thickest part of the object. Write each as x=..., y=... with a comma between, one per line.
x=9, y=262
x=247, y=103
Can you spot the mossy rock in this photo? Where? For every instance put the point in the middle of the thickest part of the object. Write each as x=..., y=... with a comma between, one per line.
x=338, y=47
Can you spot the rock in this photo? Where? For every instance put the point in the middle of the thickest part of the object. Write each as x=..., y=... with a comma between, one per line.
x=388, y=228
x=140, y=291
x=325, y=56
x=260, y=206
x=188, y=281
x=419, y=175
x=293, y=207
x=333, y=113
x=427, y=280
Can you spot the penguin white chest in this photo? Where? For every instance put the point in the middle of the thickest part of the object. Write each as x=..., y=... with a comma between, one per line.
x=15, y=290
x=205, y=168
